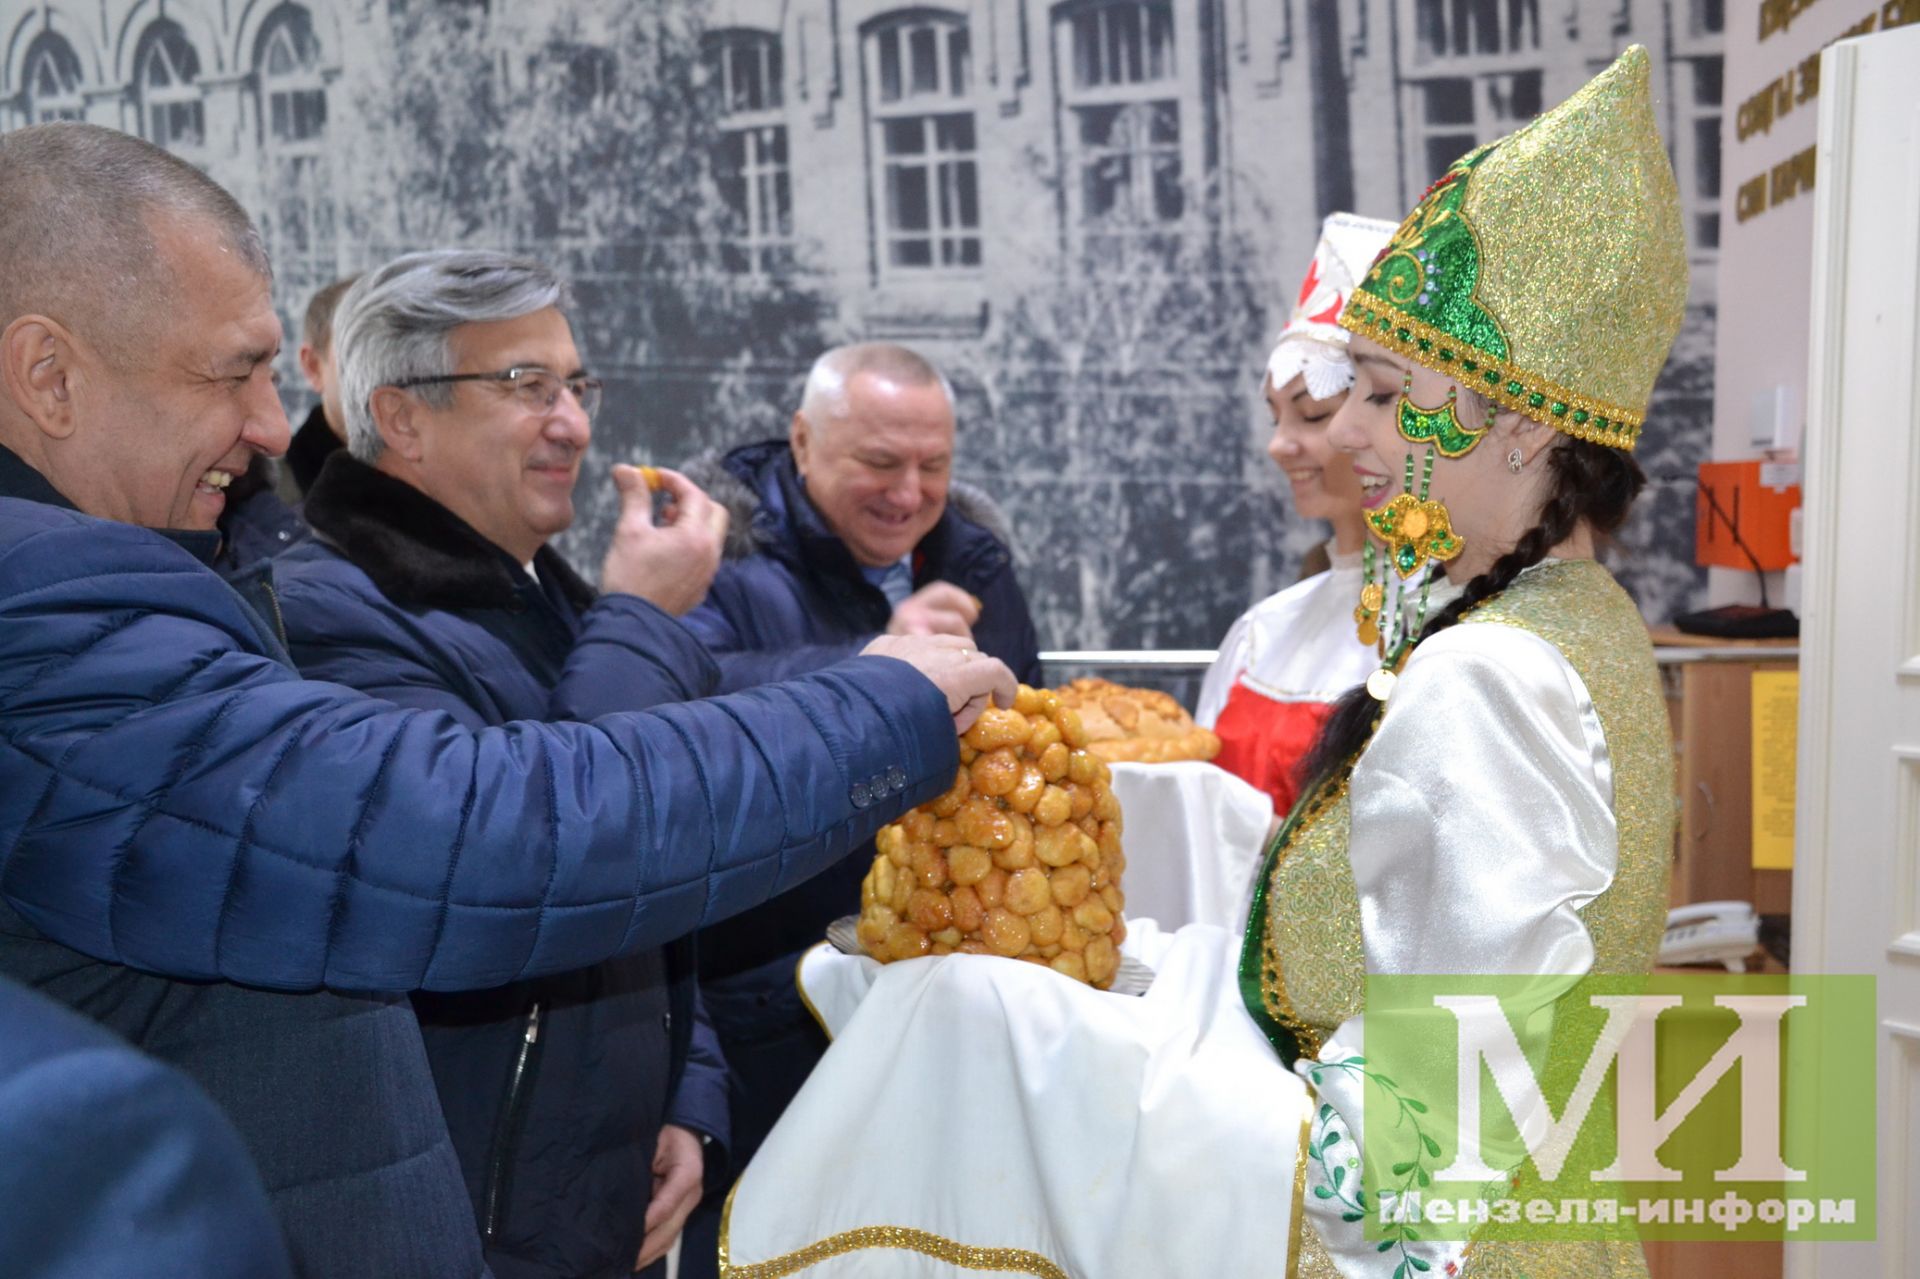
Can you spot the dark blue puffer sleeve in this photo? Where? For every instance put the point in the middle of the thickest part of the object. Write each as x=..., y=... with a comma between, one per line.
x=747, y=669
x=700, y=1100
x=172, y=800
x=631, y=653
x=741, y=664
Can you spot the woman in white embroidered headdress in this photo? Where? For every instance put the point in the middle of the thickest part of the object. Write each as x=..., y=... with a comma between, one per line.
x=1289, y=656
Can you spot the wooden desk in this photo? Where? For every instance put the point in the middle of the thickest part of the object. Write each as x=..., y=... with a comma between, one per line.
x=1708, y=683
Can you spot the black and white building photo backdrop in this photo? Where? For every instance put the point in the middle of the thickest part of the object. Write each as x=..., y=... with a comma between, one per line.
x=1093, y=213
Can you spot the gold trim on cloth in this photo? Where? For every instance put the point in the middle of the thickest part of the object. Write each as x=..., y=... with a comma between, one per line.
x=801, y=988
x=1017, y=1261
x=1300, y=1194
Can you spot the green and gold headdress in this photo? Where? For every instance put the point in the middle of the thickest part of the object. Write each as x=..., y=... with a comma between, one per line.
x=1547, y=270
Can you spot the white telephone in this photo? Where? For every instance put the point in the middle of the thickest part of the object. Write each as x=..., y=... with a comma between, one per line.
x=1711, y=933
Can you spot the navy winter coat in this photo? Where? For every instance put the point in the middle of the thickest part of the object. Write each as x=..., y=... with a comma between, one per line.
x=112, y=1164
x=789, y=598
x=554, y=1090
x=236, y=867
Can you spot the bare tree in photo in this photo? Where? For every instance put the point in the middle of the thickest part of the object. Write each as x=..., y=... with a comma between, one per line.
x=590, y=137
x=1123, y=384
x=1653, y=556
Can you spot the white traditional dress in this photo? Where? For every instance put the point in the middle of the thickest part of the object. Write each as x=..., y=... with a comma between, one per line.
x=1512, y=814
x=1279, y=671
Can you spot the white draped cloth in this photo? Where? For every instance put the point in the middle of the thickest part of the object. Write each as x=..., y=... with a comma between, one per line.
x=983, y=1114
x=987, y=1114
x=1195, y=835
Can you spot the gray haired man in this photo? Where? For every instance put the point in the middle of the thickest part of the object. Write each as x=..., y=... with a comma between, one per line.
x=581, y=1104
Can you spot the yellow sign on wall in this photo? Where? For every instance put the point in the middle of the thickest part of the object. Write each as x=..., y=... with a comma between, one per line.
x=1776, y=729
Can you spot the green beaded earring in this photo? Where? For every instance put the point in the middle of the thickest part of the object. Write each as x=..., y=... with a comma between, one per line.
x=1373, y=595
x=1440, y=427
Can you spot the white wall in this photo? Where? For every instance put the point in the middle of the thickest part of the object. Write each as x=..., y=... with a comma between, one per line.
x=1766, y=260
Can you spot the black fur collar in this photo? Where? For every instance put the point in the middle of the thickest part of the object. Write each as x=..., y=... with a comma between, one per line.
x=310, y=448
x=416, y=550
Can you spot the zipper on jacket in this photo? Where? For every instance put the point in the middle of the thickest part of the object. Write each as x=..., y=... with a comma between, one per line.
x=273, y=602
x=273, y=598
x=500, y=1170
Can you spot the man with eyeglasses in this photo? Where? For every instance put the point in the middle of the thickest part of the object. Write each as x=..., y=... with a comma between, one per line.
x=581, y=1105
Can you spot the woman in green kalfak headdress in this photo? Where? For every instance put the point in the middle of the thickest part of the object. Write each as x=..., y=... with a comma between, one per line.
x=1497, y=799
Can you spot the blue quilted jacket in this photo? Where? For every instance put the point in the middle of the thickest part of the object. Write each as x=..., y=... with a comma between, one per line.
x=789, y=598
x=188, y=827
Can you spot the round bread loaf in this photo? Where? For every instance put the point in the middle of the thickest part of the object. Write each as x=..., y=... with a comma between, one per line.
x=1136, y=725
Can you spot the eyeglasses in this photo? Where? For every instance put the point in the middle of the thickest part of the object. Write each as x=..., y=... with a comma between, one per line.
x=536, y=389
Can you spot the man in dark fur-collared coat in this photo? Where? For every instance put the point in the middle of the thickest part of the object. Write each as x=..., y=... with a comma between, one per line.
x=585, y=1106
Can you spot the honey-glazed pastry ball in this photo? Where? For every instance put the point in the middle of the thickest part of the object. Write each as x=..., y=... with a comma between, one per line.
x=1020, y=858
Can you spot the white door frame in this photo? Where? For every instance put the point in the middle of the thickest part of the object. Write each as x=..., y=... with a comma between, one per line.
x=1856, y=892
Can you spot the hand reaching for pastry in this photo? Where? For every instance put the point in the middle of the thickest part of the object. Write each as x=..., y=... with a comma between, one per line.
x=938, y=608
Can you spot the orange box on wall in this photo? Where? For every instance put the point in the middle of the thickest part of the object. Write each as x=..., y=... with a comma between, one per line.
x=1761, y=512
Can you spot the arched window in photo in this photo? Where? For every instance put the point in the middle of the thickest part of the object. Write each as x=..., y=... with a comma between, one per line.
x=293, y=124
x=293, y=96
x=919, y=69
x=1121, y=111
x=751, y=165
x=52, y=81
x=172, y=114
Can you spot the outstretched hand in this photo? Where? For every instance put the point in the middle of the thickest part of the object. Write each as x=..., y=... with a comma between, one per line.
x=969, y=678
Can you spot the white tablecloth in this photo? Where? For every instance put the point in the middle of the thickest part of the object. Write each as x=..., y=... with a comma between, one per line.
x=1194, y=835
x=977, y=1113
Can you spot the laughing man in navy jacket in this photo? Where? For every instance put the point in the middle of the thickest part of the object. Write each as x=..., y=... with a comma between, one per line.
x=849, y=528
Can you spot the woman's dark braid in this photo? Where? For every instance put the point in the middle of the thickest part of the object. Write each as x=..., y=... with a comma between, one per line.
x=1591, y=483
x=1558, y=518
